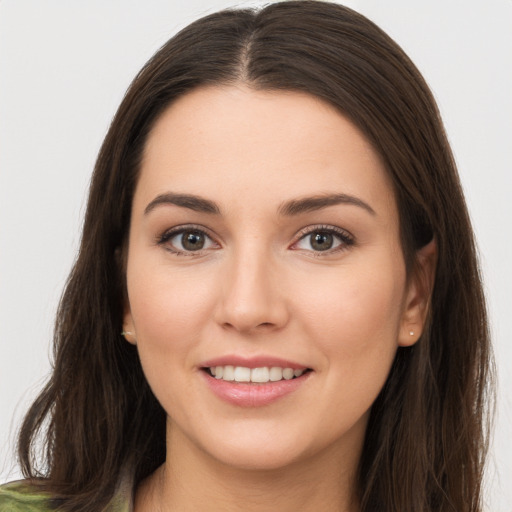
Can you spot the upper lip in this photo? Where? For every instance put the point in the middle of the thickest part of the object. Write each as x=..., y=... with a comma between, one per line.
x=252, y=362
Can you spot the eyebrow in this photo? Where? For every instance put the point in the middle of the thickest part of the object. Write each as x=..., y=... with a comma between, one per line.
x=190, y=201
x=290, y=208
x=308, y=204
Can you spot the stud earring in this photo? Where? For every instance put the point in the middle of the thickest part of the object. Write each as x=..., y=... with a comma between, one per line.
x=124, y=333
x=411, y=333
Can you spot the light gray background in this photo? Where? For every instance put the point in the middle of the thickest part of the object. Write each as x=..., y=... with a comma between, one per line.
x=64, y=67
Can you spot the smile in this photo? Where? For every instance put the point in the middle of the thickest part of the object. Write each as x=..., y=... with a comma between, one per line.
x=254, y=375
x=259, y=382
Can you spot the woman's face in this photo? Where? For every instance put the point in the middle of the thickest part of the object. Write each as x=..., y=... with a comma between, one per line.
x=264, y=243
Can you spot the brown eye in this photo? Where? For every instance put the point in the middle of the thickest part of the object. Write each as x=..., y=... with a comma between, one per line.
x=321, y=241
x=187, y=241
x=192, y=240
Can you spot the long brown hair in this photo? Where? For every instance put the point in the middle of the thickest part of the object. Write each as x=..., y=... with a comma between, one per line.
x=427, y=435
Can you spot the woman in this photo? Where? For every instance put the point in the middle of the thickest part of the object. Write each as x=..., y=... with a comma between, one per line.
x=277, y=301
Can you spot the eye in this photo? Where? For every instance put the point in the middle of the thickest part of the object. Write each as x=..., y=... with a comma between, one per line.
x=186, y=240
x=323, y=239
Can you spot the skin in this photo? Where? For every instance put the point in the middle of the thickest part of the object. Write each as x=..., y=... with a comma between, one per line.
x=258, y=287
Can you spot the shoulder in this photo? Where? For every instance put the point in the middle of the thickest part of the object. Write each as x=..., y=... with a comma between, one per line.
x=22, y=496
x=27, y=496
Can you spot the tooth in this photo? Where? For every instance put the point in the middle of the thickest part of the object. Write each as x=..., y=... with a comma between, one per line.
x=229, y=373
x=259, y=375
x=288, y=373
x=242, y=374
x=275, y=373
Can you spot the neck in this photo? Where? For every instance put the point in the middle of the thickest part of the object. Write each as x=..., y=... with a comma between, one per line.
x=192, y=480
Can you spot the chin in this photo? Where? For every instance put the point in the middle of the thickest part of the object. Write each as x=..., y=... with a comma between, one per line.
x=257, y=459
x=270, y=450
x=251, y=447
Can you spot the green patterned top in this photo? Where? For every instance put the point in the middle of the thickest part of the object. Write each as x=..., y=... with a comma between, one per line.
x=21, y=496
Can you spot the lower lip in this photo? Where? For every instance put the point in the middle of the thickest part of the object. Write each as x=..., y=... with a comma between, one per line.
x=248, y=394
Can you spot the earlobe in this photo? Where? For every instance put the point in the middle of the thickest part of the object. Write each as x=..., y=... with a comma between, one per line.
x=419, y=291
x=129, y=336
x=128, y=328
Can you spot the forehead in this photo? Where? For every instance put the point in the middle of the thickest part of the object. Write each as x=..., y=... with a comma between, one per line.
x=238, y=144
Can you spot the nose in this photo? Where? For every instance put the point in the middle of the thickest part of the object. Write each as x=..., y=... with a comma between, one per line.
x=252, y=296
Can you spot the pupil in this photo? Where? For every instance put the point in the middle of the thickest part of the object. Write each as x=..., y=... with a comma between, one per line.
x=321, y=241
x=192, y=241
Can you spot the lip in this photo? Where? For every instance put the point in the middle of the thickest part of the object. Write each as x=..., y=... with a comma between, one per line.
x=245, y=394
x=252, y=362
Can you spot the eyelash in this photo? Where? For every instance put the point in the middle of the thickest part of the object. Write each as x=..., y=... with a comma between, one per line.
x=345, y=238
x=171, y=233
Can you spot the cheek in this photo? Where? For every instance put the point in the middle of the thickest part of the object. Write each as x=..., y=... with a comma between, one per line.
x=168, y=308
x=357, y=313
x=354, y=323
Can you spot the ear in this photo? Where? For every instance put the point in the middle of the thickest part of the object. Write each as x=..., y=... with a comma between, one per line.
x=418, y=293
x=128, y=326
